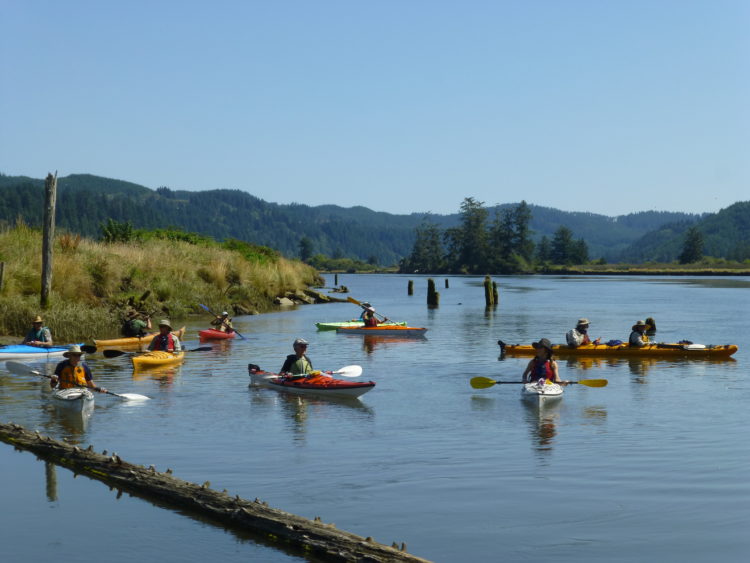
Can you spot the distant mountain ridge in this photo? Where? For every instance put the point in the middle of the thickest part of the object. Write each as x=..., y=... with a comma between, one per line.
x=85, y=201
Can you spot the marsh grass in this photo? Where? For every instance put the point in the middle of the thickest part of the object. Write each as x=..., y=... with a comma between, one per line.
x=92, y=281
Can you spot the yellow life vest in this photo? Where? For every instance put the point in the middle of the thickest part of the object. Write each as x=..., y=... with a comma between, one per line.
x=72, y=377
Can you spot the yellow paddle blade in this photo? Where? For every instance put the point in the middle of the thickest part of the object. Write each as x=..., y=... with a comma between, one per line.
x=352, y=300
x=481, y=382
x=594, y=382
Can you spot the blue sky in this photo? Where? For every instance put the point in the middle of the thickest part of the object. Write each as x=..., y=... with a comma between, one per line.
x=605, y=106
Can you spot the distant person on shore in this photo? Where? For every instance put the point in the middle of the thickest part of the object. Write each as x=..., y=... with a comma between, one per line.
x=542, y=365
x=39, y=335
x=223, y=322
x=297, y=364
x=166, y=340
x=579, y=335
x=135, y=326
x=638, y=337
x=72, y=372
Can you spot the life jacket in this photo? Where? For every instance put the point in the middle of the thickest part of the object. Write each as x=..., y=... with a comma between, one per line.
x=301, y=366
x=72, y=376
x=133, y=327
x=164, y=342
x=370, y=320
x=542, y=370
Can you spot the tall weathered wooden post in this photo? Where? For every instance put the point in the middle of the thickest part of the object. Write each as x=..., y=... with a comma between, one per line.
x=433, y=297
x=489, y=300
x=410, y=288
x=48, y=236
x=495, y=298
x=446, y=283
x=335, y=280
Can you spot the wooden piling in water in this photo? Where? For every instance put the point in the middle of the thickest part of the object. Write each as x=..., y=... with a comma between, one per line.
x=323, y=541
x=446, y=283
x=48, y=237
x=433, y=297
x=410, y=288
x=495, y=298
x=489, y=299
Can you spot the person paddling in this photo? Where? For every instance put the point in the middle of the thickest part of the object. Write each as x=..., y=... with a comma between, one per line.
x=297, y=364
x=72, y=372
x=638, y=338
x=223, y=322
x=542, y=365
x=134, y=326
x=579, y=335
x=166, y=340
x=39, y=335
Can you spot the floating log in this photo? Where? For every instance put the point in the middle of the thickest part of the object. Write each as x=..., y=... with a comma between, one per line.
x=323, y=541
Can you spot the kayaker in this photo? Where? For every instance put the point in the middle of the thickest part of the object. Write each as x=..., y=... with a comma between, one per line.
x=542, y=365
x=39, y=335
x=134, y=326
x=638, y=337
x=579, y=335
x=72, y=372
x=298, y=363
x=369, y=318
x=166, y=340
x=223, y=322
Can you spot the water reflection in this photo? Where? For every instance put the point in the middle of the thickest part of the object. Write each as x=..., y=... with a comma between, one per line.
x=50, y=474
x=370, y=343
x=164, y=375
x=542, y=419
x=73, y=424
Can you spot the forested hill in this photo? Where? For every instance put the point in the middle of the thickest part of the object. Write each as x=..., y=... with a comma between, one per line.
x=725, y=234
x=85, y=201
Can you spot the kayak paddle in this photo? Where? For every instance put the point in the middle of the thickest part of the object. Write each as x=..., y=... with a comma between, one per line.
x=346, y=371
x=485, y=382
x=118, y=353
x=23, y=369
x=202, y=306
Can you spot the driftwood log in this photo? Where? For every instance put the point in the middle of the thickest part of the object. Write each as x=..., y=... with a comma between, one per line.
x=276, y=527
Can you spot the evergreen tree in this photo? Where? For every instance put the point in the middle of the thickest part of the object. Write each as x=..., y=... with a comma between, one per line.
x=562, y=246
x=544, y=250
x=468, y=242
x=427, y=254
x=692, y=249
x=305, y=249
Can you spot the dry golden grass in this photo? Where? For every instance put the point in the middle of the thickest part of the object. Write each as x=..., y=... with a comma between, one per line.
x=92, y=280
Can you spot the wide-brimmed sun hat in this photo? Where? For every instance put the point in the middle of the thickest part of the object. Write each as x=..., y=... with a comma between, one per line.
x=74, y=350
x=543, y=343
x=165, y=322
x=37, y=319
x=583, y=321
x=639, y=323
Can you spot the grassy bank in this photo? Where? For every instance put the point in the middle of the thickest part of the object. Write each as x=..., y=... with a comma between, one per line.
x=93, y=281
x=710, y=267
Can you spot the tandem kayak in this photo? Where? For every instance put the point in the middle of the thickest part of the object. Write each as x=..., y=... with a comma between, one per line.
x=384, y=330
x=213, y=334
x=75, y=399
x=23, y=352
x=353, y=323
x=132, y=340
x=157, y=358
x=542, y=391
x=314, y=384
x=660, y=350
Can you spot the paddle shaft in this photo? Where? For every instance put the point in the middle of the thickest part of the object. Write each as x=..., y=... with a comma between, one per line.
x=118, y=353
x=215, y=315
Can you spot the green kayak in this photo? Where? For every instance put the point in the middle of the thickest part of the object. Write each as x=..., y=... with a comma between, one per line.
x=354, y=323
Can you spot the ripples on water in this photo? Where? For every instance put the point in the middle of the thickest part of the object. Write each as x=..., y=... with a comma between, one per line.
x=652, y=467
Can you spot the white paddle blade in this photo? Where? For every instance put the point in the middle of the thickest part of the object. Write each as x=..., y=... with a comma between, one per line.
x=349, y=371
x=19, y=368
x=133, y=397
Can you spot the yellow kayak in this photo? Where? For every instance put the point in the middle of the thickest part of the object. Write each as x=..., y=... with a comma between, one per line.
x=660, y=350
x=132, y=340
x=157, y=358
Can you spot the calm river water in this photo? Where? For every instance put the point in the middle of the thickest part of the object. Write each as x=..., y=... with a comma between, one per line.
x=653, y=467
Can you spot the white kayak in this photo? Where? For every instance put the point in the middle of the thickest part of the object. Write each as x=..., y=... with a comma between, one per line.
x=542, y=391
x=74, y=399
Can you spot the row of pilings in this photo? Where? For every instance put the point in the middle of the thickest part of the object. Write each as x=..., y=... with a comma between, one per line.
x=433, y=296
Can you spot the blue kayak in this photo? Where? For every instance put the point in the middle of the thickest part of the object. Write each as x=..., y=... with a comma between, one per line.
x=23, y=352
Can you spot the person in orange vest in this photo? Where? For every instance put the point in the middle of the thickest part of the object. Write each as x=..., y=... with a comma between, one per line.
x=166, y=340
x=72, y=372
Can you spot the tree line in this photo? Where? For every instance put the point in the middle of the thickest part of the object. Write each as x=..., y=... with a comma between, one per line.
x=500, y=244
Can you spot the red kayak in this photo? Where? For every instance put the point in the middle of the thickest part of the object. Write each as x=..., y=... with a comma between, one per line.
x=213, y=334
x=317, y=384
